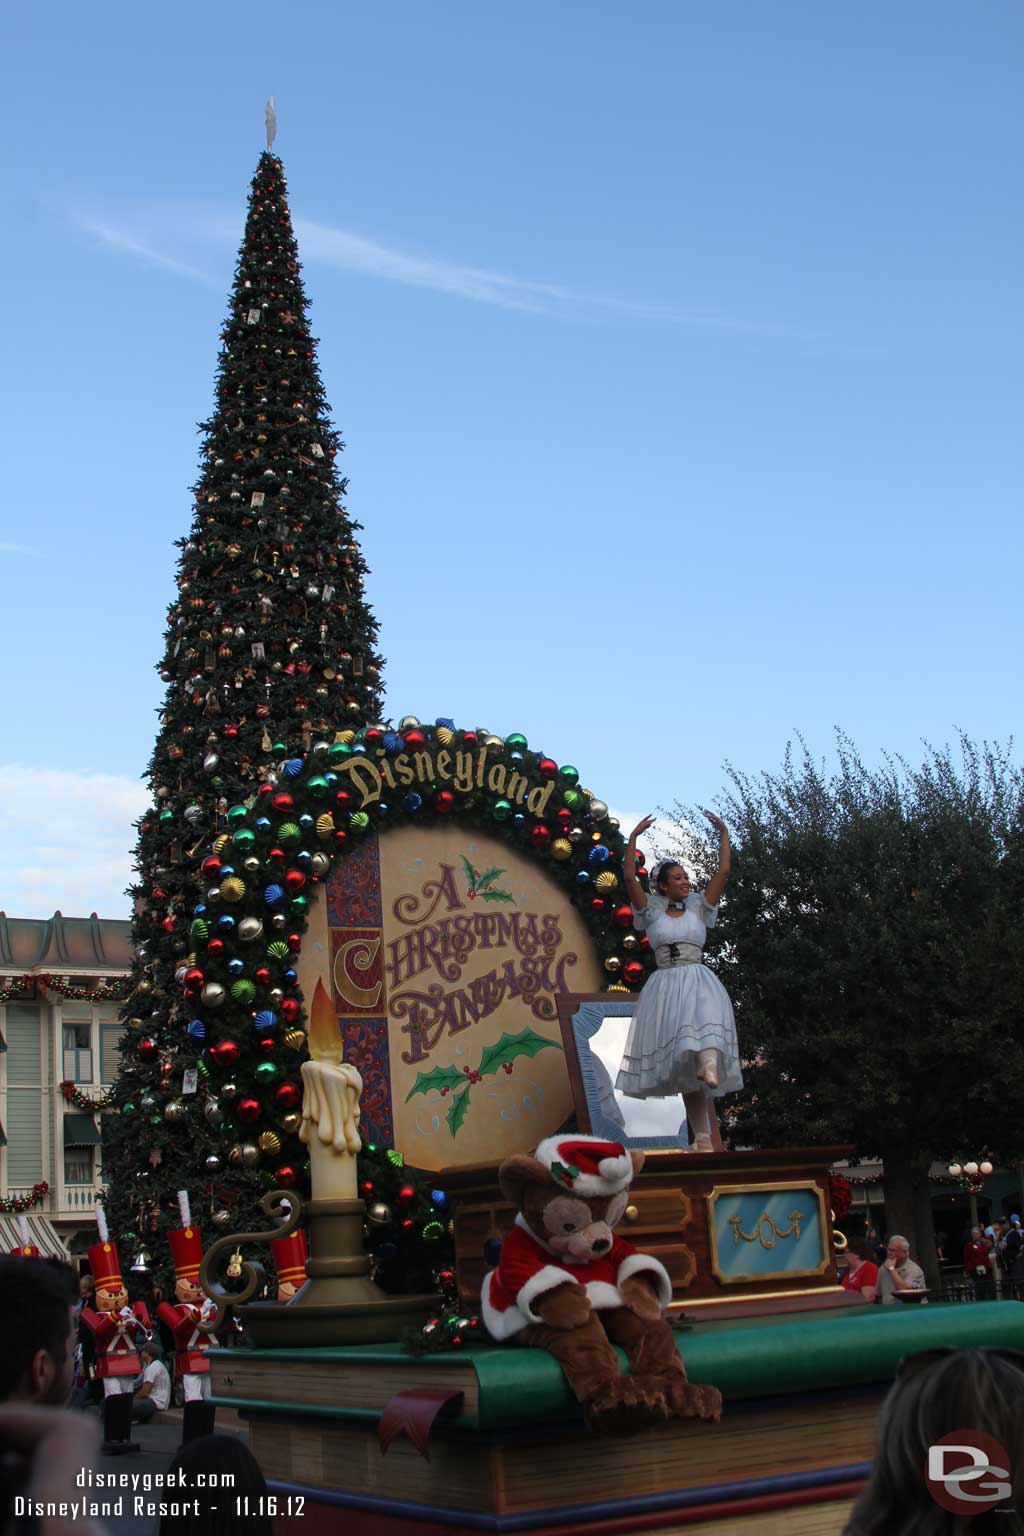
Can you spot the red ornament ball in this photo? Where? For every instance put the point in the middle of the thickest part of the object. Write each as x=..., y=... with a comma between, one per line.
x=547, y=768
x=340, y=838
x=407, y=1192
x=194, y=978
x=367, y=1187
x=294, y=942
x=373, y=737
x=540, y=836
x=444, y=801
x=294, y=880
x=287, y=1096
x=414, y=738
x=597, y=904
x=266, y=1045
x=343, y=798
x=211, y=867
x=633, y=973
x=286, y=1176
x=262, y=976
x=216, y=946
x=248, y=1110
x=147, y=1049
x=231, y=732
x=623, y=917
x=289, y=1008
x=564, y=816
x=225, y=1053
x=277, y=854
x=283, y=802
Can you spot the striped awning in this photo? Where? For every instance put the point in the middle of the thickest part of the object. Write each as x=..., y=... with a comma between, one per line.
x=41, y=1231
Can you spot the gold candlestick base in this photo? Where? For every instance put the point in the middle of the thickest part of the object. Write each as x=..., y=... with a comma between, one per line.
x=339, y=1303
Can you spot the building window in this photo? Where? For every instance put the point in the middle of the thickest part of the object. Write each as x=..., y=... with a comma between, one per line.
x=77, y=1053
x=78, y=1165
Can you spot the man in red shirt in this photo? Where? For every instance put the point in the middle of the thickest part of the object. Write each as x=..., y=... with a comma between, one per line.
x=861, y=1272
x=976, y=1264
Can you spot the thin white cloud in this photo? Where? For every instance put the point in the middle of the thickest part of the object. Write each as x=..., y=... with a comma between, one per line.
x=68, y=840
x=17, y=549
x=159, y=234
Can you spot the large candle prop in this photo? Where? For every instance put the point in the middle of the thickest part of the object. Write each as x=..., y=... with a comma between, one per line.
x=330, y=1106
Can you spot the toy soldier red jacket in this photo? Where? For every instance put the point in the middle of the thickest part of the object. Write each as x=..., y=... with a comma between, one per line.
x=191, y=1344
x=115, y=1338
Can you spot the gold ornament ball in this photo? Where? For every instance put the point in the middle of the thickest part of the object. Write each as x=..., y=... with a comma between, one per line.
x=607, y=880
x=270, y=1143
x=617, y=986
x=134, y=1023
x=235, y=1155
x=494, y=745
x=290, y=1123
x=561, y=849
x=232, y=889
x=295, y=1039
x=221, y=843
x=445, y=735
x=325, y=825
x=348, y=737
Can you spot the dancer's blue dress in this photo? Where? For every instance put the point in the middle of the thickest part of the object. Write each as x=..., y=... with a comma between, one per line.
x=683, y=1010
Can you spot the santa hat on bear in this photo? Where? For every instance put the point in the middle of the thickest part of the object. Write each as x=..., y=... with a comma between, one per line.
x=586, y=1165
x=28, y=1249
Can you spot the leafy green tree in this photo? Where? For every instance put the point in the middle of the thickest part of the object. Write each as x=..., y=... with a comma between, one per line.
x=874, y=952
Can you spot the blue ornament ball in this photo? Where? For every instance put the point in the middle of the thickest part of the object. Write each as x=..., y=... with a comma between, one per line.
x=412, y=801
x=492, y=1252
x=264, y=826
x=273, y=895
x=236, y=967
x=584, y=878
x=519, y=821
x=382, y=809
x=598, y=855
x=264, y=1021
x=225, y=922
x=289, y=977
x=307, y=822
x=292, y=768
x=304, y=858
x=197, y=1030
x=200, y=910
x=392, y=741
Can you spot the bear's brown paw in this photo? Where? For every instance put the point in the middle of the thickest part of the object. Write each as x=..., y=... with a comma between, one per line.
x=686, y=1400
x=624, y=1407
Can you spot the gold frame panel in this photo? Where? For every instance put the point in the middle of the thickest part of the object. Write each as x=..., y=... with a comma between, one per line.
x=754, y=1189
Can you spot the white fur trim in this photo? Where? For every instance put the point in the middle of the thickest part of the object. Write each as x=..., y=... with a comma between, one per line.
x=500, y=1325
x=546, y=1279
x=183, y=1208
x=101, y=1224
x=644, y=1264
x=602, y=1295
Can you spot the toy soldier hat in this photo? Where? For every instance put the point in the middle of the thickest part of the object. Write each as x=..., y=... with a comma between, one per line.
x=26, y=1251
x=586, y=1165
x=290, y=1254
x=105, y=1266
x=186, y=1245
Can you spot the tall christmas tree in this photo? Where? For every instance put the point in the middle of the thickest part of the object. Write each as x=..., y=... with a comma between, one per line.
x=270, y=652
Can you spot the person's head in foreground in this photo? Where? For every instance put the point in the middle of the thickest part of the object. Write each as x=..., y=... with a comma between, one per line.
x=37, y=1357
x=219, y=1515
x=938, y=1393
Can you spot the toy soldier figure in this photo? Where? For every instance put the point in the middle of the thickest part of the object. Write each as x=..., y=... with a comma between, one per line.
x=190, y=1342
x=116, y=1331
x=27, y=1248
x=290, y=1254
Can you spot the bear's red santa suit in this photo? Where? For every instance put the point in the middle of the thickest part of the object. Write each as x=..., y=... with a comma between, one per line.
x=528, y=1268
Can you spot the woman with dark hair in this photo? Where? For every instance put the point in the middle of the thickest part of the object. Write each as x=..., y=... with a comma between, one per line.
x=682, y=1037
x=235, y=1508
x=938, y=1393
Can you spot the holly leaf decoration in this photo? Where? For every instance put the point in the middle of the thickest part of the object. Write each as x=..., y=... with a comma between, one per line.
x=457, y=1110
x=470, y=872
x=438, y=1077
x=526, y=1043
x=489, y=875
x=497, y=896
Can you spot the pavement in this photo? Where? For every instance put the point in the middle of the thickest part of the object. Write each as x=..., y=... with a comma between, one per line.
x=158, y=1444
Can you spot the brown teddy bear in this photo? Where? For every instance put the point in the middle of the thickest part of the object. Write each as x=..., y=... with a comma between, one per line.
x=567, y=1284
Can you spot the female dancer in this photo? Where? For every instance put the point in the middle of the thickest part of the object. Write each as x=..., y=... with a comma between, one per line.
x=682, y=1038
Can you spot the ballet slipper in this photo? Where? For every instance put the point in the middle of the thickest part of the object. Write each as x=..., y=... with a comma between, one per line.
x=707, y=1072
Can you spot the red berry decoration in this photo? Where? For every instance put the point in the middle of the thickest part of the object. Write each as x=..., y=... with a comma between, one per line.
x=623, y=917
x=248, y=1110
x=294, y=880
x=633, y=973
x=540, y=836
x=507, y=1066
x=444, y=801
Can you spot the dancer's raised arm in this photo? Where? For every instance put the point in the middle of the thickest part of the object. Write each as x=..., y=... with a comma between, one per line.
x=635, y=891
x=716, y=885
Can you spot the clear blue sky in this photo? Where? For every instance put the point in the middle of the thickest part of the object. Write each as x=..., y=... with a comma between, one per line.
x=677, y=349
